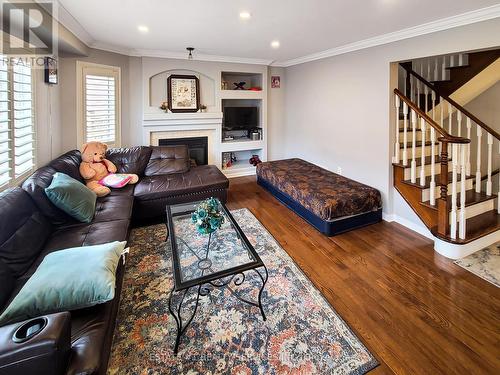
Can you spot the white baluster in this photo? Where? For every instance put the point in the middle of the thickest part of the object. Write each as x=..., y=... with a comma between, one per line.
x=459, y=123
x=461, y=59
x=462, y=220
x=467, y=165
x=450, y=118
x=436, y=69
x=452, y=60
x=433, y=169
x=396, y=144
x=478, y=161
x=426, y=103
x=453, y=223
x=422, y=156
x=443, y=69
x=405, y=134
x=418, y=90
x=428, y=78
x=414, y=146
x=441, y=103
x=433, y=98
x=490, y=157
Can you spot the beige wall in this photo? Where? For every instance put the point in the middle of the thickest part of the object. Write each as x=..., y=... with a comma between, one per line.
x=276, y=115
x=48, y=125
x=337, y=109
x=67, y=71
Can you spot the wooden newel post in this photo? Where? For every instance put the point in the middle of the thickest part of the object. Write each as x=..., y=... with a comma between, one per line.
x=442, y=202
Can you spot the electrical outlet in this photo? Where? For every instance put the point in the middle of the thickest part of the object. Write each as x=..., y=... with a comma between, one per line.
x=339, y=170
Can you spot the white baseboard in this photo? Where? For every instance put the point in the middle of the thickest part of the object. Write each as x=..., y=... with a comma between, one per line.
x=420, y=229
x=449, y=250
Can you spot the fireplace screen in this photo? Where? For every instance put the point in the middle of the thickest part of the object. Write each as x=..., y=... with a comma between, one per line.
x=198, y=148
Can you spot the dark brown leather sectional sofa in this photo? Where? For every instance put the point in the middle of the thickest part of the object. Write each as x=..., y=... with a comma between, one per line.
x=79, y=342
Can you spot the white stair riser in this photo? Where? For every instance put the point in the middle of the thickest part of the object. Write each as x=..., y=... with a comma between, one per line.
x=427, y=170
x=426, y=193
x=477, y=209
x=410, y=135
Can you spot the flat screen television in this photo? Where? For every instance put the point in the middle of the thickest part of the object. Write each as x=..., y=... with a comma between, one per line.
x=241, y=118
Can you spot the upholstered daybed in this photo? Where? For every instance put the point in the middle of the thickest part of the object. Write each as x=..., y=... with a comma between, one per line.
x=331, y=203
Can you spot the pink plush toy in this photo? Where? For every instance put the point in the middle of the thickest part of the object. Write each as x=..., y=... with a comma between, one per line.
x=99, y=173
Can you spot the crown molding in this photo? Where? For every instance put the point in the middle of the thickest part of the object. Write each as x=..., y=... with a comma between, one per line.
x=69, y=22
x=463, y=19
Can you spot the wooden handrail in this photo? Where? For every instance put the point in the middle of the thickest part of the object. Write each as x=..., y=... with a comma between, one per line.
x=451, y=101
x=445, y=136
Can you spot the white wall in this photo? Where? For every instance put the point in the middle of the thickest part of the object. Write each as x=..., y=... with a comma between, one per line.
x=337, y=109
x=276, y=115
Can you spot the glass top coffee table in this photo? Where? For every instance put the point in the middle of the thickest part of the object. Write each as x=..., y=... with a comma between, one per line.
x=202, y=262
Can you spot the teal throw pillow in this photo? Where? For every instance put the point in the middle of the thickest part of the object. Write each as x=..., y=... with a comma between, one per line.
x=67, y=280
x=72, y=197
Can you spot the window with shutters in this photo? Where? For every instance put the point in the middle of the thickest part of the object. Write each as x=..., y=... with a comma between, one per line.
x=17, y=125
x=99, y=104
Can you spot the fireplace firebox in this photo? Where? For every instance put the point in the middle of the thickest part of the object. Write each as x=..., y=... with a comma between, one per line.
x=198, y=147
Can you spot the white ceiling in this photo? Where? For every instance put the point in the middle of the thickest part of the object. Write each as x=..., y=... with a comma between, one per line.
x=213, y=27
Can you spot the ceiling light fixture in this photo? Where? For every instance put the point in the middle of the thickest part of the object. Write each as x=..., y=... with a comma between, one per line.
x=143, y=29
x=190, y=55
x=245, y=15
x=275, y=44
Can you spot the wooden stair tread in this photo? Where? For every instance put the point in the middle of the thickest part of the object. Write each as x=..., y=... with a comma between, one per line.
x=437, y=179
x=408, y=129
x=427, y=161
x=457, y=67
x=418, y=144
x=476, y=227
x=471, y=197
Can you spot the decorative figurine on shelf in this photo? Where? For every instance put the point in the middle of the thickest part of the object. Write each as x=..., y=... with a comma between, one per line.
x=254, y=160
x=203, y=108
x=164, y=106
x=207, y=216
x=239, y=86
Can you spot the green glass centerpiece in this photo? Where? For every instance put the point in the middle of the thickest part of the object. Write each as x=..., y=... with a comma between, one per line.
x=207, y=216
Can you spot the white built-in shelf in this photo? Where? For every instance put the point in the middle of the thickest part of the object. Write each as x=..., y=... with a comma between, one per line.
x=239, y=168
x=241, y=94
x=241, y=145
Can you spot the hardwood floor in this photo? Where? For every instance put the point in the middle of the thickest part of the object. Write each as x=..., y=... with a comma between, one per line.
x=415, y=310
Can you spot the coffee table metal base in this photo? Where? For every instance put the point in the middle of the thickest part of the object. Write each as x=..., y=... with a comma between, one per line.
x=204, y=289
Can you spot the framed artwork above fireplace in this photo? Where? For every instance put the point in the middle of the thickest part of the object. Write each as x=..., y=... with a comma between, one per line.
x=183, y=92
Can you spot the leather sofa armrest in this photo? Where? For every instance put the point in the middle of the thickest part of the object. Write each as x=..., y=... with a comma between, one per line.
x=46, y=352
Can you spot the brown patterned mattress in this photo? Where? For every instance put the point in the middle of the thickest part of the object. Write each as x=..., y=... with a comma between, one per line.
x=326, y=194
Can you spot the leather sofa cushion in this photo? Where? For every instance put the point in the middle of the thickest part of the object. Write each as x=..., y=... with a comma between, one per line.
x=127, y=190
x=168, y=159
x=23, y=231
x=113, y=207
x=7, y=283
x=67, y=163
x=130, y=160
x=35, y=186
x=204, y=177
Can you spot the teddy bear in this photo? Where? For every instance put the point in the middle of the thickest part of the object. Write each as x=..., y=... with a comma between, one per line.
x=95, y=167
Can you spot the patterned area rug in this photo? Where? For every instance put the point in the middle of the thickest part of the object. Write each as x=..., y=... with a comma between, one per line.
x=484, y=263
x=302, y=334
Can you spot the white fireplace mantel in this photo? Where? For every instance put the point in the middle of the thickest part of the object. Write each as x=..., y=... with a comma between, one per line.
x=179, y=125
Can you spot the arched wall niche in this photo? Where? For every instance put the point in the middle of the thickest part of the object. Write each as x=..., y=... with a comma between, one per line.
x=158, y=87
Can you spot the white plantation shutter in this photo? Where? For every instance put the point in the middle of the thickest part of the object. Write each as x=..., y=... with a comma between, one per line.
x=23, y=120
x=17, y=129
x=100, y=109
x=5, y=141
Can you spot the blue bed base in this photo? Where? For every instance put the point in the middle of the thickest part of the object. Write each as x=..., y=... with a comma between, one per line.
x=329, y=228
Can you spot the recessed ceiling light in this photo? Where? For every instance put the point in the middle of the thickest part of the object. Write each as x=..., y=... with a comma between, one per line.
x=245, y=15
x=275, y=44
x=143, y=29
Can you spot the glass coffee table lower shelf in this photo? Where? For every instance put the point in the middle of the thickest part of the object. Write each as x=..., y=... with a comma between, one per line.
x=202, y=262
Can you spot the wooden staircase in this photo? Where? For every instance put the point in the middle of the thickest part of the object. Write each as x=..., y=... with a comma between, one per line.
x=438, y=167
